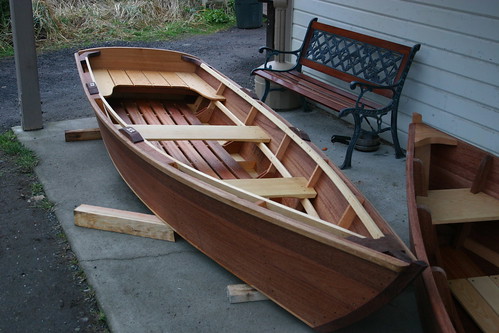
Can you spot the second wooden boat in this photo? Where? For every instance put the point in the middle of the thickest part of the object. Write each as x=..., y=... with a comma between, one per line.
x=240, y=184
x=453, y=202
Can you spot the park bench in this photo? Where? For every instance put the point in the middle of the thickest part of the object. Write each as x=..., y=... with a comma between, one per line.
x=370, y=65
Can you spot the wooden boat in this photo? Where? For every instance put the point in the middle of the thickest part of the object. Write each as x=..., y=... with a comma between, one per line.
x=237, y=182
x=453, y=203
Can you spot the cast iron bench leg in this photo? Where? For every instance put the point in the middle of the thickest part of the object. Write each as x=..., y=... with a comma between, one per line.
x=399, y=153
x=347, y=163
x=267, y=90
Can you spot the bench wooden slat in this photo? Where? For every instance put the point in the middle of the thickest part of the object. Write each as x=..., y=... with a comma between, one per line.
x=288, y=81
x=460, y=205
x=327, y=89
x=476, y=303
x=202, y=132
x=294, y=187
x=309, y=87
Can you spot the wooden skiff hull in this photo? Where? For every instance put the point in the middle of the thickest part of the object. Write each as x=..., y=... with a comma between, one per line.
x=452, y=195
x=327, y=276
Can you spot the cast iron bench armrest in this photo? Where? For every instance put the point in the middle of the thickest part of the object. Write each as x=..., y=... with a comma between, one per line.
x=360, y=106
x=370, y=87
x=272, y=53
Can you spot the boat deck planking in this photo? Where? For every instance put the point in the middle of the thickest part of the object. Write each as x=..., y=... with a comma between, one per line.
x=109, y=79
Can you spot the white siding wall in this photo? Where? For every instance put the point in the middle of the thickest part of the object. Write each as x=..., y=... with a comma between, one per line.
x=454, y=81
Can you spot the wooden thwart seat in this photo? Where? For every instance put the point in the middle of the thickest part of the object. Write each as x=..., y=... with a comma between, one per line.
x=292, y=187
x=460, y=205
x=202, y=132
x=480, y=297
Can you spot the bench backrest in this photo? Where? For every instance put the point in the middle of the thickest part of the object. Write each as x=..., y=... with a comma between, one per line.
x=352, y=56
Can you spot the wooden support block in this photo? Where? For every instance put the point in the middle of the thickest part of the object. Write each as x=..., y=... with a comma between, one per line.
x=137, y=224
x=82, y=134
x=241, y=293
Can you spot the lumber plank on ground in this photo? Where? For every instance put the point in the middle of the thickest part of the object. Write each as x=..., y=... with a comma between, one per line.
x=241, y=293
x=82, y=134
x=109, y=219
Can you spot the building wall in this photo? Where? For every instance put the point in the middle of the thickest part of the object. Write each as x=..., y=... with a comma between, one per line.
x=454, y=81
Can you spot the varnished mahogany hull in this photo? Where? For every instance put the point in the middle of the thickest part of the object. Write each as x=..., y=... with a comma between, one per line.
x=325, y=280
x=325, y=287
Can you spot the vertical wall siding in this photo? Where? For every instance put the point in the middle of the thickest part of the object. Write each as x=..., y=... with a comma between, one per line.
x=454, y=81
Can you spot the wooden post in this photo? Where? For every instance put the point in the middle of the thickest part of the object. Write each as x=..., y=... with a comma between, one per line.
x=28, y=88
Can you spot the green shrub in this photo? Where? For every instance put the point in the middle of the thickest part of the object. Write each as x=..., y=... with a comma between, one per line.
x=215, y=16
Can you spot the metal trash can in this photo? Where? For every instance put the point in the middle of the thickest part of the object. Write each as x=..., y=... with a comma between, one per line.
x=249, y=14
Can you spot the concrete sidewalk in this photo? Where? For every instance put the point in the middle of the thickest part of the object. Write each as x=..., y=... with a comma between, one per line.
x=146, y=285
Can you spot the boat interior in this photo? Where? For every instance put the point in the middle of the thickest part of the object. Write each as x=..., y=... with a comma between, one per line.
x=458, y=209
x=243, y=146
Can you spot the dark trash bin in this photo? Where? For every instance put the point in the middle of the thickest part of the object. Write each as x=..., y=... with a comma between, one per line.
x=249, y=14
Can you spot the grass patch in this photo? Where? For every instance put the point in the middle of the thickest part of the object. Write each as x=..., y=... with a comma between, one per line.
x=25, y=161
x=45, y=204
x=69, y=23
x=37, y=189
x=24, y=158
x=39, y=198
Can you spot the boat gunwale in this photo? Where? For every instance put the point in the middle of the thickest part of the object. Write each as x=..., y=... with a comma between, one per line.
x=417, y=243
